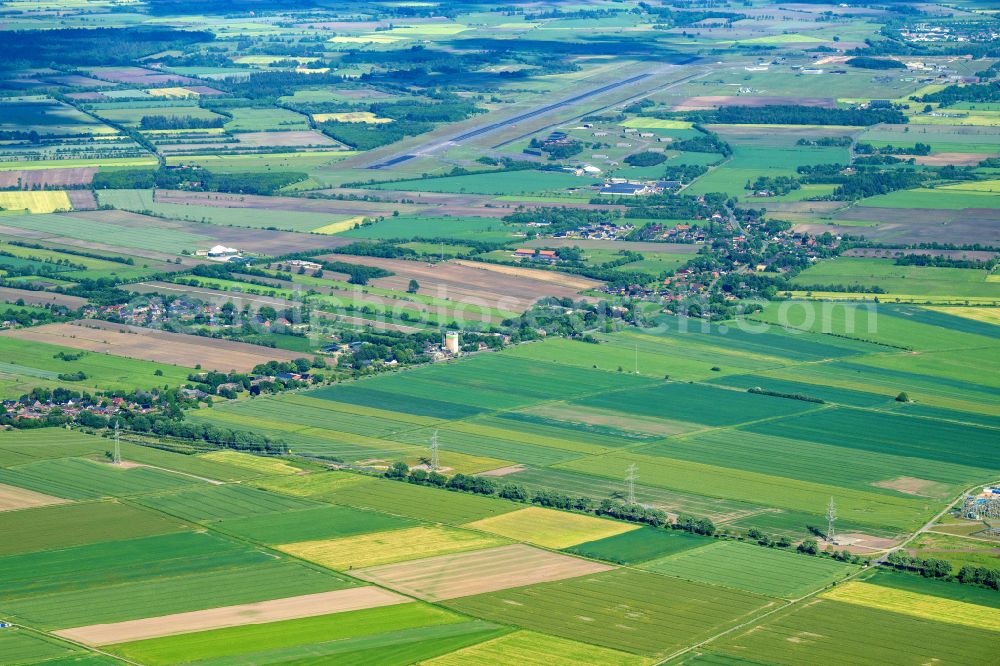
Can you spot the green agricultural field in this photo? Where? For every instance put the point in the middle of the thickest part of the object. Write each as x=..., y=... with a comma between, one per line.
x=494, y=443
x=132, y=113
x=257, y=163
x=225, y=502
x=873, y=509
x=266, y=120
x=164, y=595
x=749, y=162
x=392, y=635
x=525, y=647
x=474, y=386
x=954, y=283
x=27, y=358
x=821, y=462
x=885, y=403
x=76, y=524
x=959, y=551
x=866, y=321
x=769, y=381
x=48, y=116
x=76, y=478
x=23, y=646
x=752, y=568
x=171, y=241
x=641, y=545
x=935, y=588
x=24, y=446
x=418, y=502
x=501, y=183
x=577, y=484
x=654, y=356
x=255, y=218
x=458, y=228
x=830, y=630
x=92, y=268
x=327, y=522
x=935, y=198
x=94, y=565
x=686, y=402
x=889, y=434
x=197, y=466
x=627, y=610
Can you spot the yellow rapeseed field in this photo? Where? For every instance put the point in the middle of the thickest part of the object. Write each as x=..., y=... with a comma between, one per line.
x=550, y=528
x=35, y=202
x=913, y=604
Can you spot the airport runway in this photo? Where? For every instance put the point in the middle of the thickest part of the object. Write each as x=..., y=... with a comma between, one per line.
x=492, y=127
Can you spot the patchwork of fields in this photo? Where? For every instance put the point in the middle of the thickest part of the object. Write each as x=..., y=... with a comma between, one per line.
x=725, y=277
x=561, y=417
x=236, y=558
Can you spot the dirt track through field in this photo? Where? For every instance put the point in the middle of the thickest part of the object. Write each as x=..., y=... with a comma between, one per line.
x=150, y=345
x=476, y=572
x=13, y=498
x=290, y=608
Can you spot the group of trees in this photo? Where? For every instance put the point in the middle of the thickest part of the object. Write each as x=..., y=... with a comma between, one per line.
x=827, y=141
x=939, y=261
x=929, y=568
x=684, y=173
x=864, y=184
x=409, y=118
x=645, y=159
x=774, y=185
x=197, y=179
x=560, y=220
x=92, y=46
x=868, y=149
x=976, y=92
x=866, y=62
x=167, y=426
x=793, y=114
x=357, y=273
x=705, y=142
x=173, y=122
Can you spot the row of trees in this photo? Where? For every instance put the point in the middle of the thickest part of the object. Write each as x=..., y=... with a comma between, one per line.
x=481, y=485
x=792, y=114
x=197, y=179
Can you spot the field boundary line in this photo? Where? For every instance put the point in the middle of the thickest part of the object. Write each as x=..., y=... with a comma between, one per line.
x=872, y=566
x=84, y=646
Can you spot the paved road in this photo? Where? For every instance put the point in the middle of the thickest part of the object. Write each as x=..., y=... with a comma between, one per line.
x=492, y=127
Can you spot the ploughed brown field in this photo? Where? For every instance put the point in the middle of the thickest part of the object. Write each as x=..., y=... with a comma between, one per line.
x=294, y=204
x=956, y=159
x=479, y=571
x=43, y=298
x=262, y=612
x=149, y=345
x=27, y=179
x=13, y=498
x=505, y=287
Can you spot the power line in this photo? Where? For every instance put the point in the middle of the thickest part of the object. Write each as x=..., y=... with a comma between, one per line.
x=831, y=516
x=117, y=458
x=434, y=451
x=630, y=476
